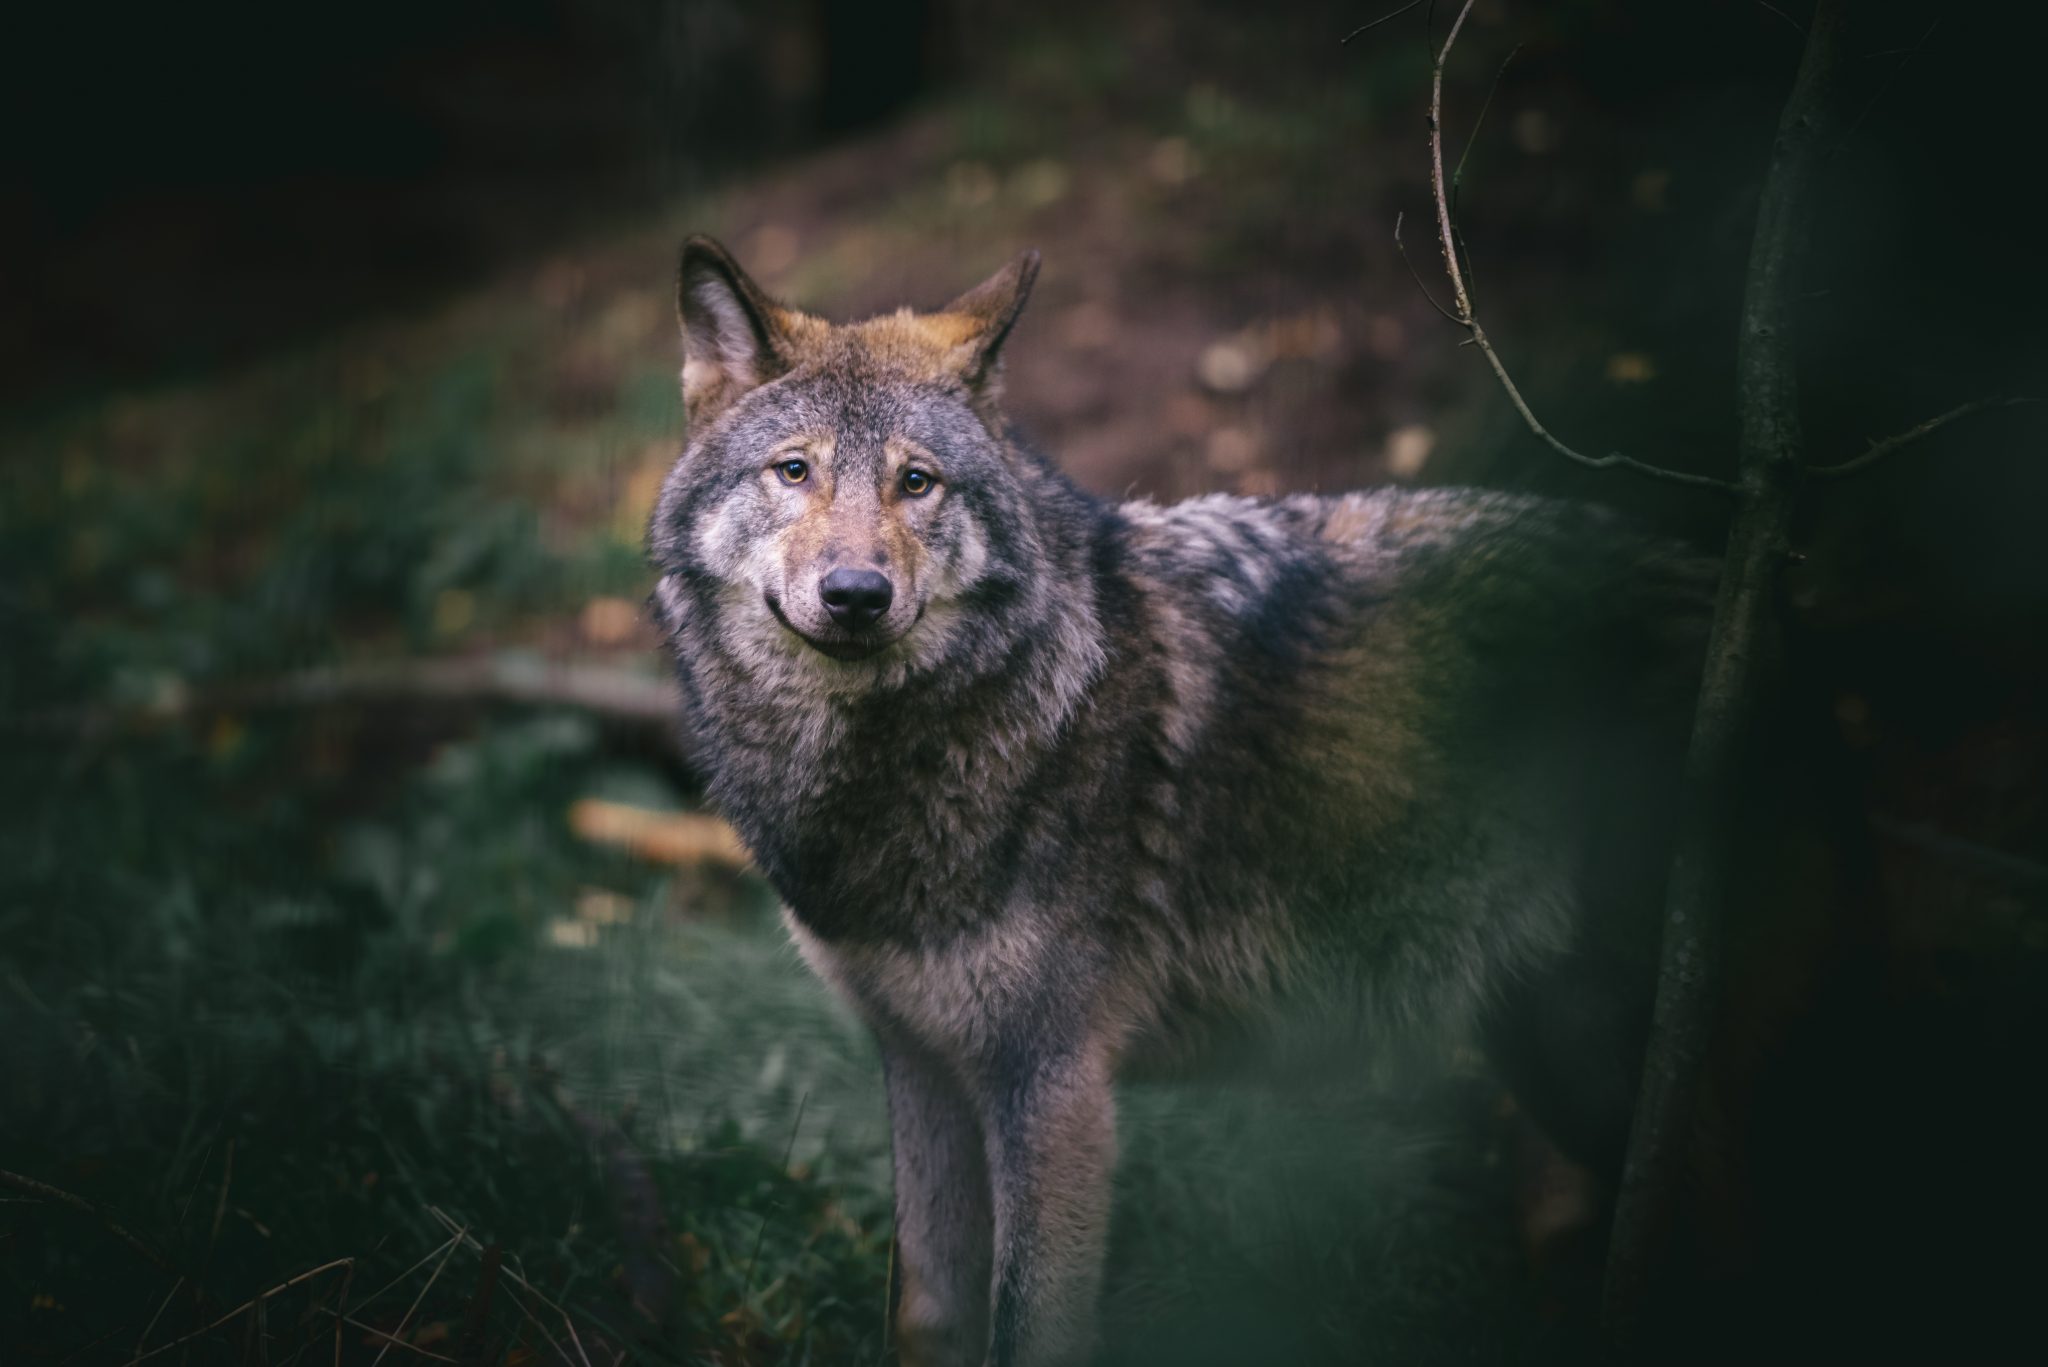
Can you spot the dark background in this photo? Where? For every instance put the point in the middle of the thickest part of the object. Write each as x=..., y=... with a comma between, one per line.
x=342, y=334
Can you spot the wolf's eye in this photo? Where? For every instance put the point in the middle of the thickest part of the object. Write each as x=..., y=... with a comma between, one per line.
x=793, y=471
x=916, y=483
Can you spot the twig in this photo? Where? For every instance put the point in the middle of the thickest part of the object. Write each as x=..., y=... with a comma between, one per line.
x=1980, y=861
x=256, y=1346
x=462, y=1236
x=1884, y=86
x=150, y=1328
x=477, y=1330
x=1377, y=22
x=197, y=1178
x=220, y=1208
x=389, y=1340
x=430, y=1254
x=1467, y=318
x=535, y=1320
x=1458, y=172
x=1402, y=248
x=1797, y=27
x=244, y=1308
x=889, y=1300
x=1471, y=273
x=1880, y=449
x=87, y=1208
x=1436, y=168
x=747, y=1281
x=406, y=1318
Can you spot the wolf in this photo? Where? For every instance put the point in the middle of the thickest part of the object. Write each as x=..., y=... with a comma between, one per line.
x=1055, y=788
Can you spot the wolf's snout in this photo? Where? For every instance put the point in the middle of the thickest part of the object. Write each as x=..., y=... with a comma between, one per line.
x=855, y=598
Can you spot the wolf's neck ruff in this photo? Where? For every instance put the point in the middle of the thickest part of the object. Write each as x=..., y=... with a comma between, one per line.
x=874, y=792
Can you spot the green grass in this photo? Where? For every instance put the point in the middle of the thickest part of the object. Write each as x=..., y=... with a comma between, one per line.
x=266, y=1035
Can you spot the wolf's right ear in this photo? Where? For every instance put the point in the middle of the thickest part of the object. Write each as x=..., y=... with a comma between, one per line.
x=985, y=315
x=734, y=336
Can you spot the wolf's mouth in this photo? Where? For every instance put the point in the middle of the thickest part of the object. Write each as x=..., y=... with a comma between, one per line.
x=849, y=648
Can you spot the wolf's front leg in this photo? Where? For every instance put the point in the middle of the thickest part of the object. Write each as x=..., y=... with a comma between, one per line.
x=942, y=1213
x=1051, y=1126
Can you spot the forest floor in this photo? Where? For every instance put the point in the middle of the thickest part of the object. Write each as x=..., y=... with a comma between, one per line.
x=325, y=1029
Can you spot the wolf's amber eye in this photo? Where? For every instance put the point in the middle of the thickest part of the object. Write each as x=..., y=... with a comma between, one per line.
x=793, y=471
x=916, y=483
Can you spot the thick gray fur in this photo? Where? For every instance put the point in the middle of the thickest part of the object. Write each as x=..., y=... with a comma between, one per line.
x=1109, y=783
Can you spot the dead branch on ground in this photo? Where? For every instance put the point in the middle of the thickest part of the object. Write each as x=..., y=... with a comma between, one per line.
x=626, y=697
x=58, y=1196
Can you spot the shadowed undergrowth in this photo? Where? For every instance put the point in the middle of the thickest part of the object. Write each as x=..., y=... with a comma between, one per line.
x=266, y=1036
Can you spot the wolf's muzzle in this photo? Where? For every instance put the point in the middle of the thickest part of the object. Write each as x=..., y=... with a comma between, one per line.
x=855, y=598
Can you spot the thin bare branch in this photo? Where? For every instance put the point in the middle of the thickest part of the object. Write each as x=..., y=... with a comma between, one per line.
x=87, y=1208
x=1362, y=28
x=747, y=1281
x=425, y=1258
x=1890, y=445
x=244, y=1308
x=220, y=1209
x=406, y=1318
x=889, y=1299
x=1436, y=168
x=1467, y=318
x=1613, y=460
x=1966, y=856
x=388, y=1340
x=1416, y=276
x=1884, y=86
x=1797, y=27
x=1458, y=172
x=150, y=1328
x=1471, y=272
x=462, y=1235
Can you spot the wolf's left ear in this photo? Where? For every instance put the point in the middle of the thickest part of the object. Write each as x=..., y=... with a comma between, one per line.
x=734, y=336
x=986, y=314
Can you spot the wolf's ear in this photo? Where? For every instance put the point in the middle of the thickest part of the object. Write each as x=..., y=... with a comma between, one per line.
x=734, y=336
x=985, y=315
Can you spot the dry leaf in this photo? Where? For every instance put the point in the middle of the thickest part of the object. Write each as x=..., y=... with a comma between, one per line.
x=664, y=837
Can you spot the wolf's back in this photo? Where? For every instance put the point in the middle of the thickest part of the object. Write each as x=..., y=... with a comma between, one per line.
x=1527, y=577
x=1439, y=730
x=1490, y=594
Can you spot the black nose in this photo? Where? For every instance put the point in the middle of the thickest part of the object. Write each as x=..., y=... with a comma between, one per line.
x=855, y=598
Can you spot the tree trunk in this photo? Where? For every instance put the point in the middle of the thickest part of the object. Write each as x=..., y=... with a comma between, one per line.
x=1734, y=684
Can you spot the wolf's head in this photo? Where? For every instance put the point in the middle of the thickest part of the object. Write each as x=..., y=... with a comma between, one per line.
x=847, y=506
